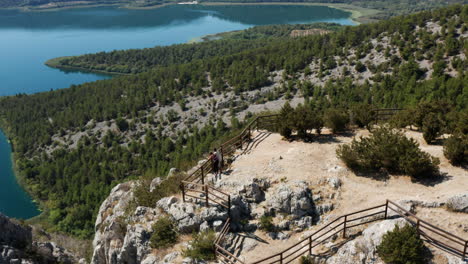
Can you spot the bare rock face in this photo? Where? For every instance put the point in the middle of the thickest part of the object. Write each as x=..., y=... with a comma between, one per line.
x=125, y=238
x=52, y=253
x=363, y=248
x=110, y=230
x=185, y=216
x=458, y=203
x=14, y=234
x=255, y=191
x=292, y=199
x=10, y=254
x=17, y=246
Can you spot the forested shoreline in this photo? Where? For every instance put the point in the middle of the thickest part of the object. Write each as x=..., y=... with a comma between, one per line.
x=141, y=60
x=387, y=8
x=72, y=181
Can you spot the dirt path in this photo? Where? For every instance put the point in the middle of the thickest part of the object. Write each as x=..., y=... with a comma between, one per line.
x=314, y=162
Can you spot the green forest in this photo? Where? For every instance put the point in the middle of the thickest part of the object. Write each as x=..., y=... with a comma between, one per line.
x=72, y=182
x=141, y=60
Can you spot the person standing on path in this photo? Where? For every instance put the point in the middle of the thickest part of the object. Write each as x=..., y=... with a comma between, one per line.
x=214, y=163
x=219, y=159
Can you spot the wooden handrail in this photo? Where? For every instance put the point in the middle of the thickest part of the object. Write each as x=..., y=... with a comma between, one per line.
x=229, y=254
x=422, y=221
x=312, y=240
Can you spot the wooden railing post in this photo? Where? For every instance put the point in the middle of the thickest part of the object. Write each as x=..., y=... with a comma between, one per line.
x=222, y=159
x=182, y=187
x=229, y=205
x=310, y=246
x=386, y=209
x=206, y=196
x=465, y=251
x=202, y=175
x=344, y=226
x=281, y=258
x=417, y=225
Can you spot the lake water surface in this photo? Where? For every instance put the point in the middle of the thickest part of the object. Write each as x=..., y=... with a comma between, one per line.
x=28, y=39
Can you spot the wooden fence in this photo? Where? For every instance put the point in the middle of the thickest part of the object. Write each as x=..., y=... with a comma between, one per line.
x=384, y=114
x=432, y=234
x=194, y=186
x=229, y=147
x=452, y=243
x=207, y=193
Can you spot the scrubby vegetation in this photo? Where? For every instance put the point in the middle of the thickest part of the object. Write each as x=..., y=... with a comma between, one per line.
x=301, y=120
x=456, y=149
x=306, y=260
x=202, y=246
x=402, y=246
x=363, y=115
x=266, y=224
x=164, y=234
x=336, y=120
x=390, y=150
x=433, y=119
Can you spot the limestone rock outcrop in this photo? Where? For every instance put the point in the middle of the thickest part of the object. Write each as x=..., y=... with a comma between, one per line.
x=363, y=248
x=17, y=246
x=458, y=203
x=110, y=228
x=292, y=199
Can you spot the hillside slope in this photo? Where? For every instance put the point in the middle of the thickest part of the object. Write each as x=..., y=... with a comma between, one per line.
x=302, y=186
x=73, y=145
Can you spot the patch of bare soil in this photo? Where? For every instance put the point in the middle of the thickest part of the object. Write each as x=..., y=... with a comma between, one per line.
x=282, y=161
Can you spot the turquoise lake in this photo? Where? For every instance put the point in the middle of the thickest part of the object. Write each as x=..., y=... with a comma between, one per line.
x=28, y=39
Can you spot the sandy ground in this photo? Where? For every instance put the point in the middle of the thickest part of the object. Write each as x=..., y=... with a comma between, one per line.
x=283, y=161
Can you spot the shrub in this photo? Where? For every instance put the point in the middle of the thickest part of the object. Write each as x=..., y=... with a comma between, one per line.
x=336, y=120
x=202, y=246
x=363, y=115
x=306, y=260
x=389, y=150
x=164, y=234
x=285, y=115
x=300, y=119
x=360, y=67
x=266, y=224
x=402, y=246
x=431, y=127
x=456, y=149
x=305, y=119
x=122, y=124
x=403, y=118
x=167, y=187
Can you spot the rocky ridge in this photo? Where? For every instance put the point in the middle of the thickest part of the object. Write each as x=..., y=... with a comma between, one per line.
x=18, y=247
x=296, y=207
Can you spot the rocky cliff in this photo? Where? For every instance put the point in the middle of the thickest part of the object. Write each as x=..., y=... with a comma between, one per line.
x=17, y=246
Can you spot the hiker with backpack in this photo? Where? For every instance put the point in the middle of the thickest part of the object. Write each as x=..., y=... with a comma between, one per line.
x=214, y=163
x=219, y=158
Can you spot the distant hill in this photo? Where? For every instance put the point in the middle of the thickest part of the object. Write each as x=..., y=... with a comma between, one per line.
x=387, y=7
